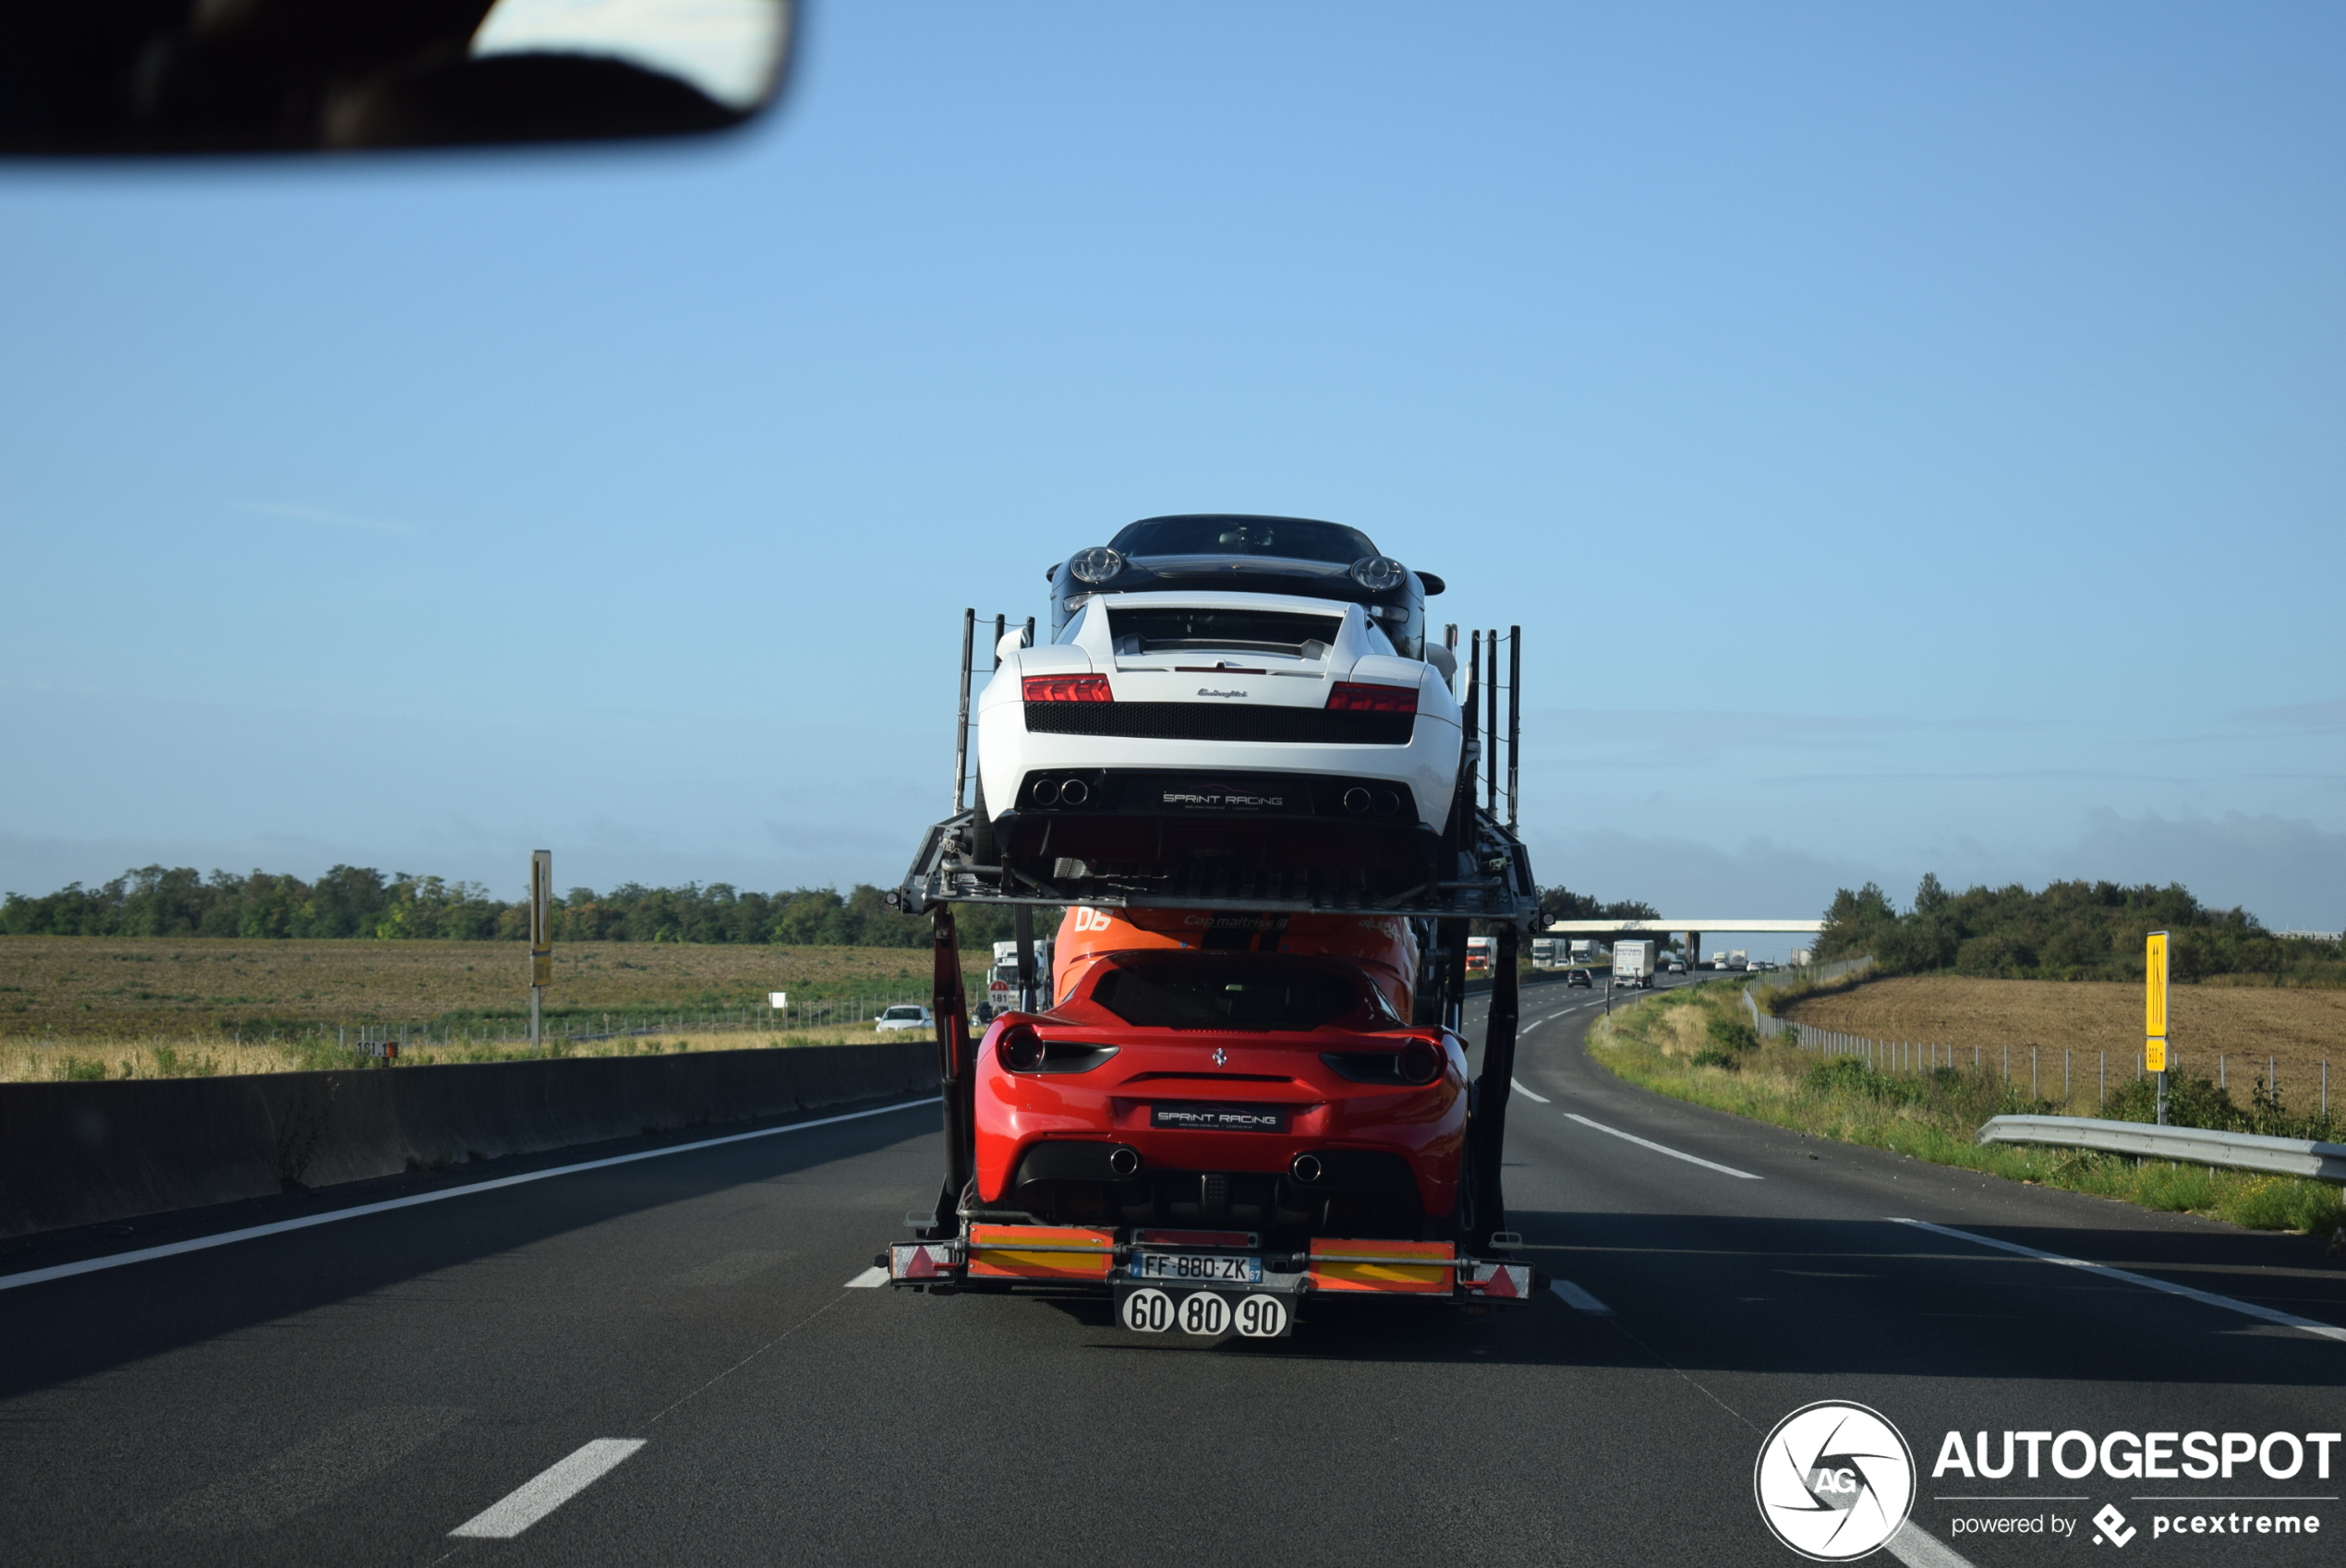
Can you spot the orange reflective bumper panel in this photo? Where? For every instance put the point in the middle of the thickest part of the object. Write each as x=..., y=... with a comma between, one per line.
x=1387, y=1267
x=1040, y=1252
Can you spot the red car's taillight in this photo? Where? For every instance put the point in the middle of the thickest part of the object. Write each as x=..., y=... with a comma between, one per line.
x=1019, y=1048
x=1079, y=689
x=1420, y=1063
x=1348, y=697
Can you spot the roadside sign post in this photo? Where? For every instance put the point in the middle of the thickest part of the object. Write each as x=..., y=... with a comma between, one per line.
x=541, y=938
x=2155, y=1014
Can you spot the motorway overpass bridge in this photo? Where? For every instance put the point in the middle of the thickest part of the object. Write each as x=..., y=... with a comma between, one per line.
x=1693, y=930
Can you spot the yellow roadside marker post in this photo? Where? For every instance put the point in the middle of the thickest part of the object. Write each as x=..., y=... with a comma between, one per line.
x=2155, y=1015
x=541, y=936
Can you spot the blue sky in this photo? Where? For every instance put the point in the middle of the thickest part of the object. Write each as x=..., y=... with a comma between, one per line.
x=1911, y=438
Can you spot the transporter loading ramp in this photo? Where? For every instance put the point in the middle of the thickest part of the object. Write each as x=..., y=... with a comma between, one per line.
x=1490, y=882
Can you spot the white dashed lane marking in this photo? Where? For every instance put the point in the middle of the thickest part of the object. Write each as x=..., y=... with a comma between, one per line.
x=1665, y=1148
x=870, y=1279
x=1528, y=1094
x=539, y=1496
x=2250, y=1308
x=1917, y=1547
x=1578, y=1299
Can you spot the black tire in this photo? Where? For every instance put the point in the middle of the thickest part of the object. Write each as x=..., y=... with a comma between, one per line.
x=982, y=849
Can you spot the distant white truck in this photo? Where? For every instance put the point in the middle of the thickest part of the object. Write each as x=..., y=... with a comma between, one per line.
x=1001, y=981
x=1633, y=964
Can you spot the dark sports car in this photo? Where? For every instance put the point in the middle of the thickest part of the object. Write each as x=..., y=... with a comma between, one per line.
x=1296, y=556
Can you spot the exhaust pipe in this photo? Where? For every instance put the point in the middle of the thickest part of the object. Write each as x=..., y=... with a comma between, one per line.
x=1045, y=791
x=1074, y=792
x=1356, y=801
x=1306, y=1169
x=1124, y=1162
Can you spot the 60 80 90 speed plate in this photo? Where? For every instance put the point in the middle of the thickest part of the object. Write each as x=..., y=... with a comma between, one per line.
x=1209, y=1314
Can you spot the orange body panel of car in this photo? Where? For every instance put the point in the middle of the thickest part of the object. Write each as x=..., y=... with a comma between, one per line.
x=1385, y=945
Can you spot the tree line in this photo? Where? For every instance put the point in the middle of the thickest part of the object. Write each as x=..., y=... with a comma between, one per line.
x=1561, y=903
x=360, y=901
x=2068, y=931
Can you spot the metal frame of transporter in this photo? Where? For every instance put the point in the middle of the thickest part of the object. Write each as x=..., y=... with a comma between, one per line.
x=1217, y=1282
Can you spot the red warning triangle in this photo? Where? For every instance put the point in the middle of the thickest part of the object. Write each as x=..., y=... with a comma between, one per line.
x=921, y=1266
x=1501, y=1282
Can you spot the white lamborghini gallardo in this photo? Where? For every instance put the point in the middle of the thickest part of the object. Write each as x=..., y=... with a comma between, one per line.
x=1218, y=740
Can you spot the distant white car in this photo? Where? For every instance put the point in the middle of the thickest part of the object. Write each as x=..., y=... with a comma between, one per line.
x=903, y=1017
x=1250, y=736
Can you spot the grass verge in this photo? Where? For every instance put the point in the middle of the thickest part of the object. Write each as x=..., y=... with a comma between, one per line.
x=88, y=1059
x=1695, y=1044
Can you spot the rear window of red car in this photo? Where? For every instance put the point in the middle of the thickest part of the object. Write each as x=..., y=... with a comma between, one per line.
x=1195, y=991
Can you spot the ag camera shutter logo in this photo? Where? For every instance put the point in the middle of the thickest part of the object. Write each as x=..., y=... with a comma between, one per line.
x=1834, y=1480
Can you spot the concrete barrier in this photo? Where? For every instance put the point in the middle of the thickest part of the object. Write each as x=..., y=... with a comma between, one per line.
x=81, y=1153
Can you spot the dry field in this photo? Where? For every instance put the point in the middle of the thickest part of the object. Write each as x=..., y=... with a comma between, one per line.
x=119, y=988
x=2245, y=1024
x=98, y=1056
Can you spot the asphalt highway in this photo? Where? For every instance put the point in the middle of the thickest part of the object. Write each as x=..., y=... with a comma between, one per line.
x=664, y=1361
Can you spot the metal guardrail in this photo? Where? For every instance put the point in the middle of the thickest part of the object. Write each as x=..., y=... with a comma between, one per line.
x=2192, y=1145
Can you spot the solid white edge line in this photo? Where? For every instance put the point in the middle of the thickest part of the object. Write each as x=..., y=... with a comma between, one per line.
x=2206, y=1297
x=1535, y=1098
x=199, y=1244
x=548, y=1490
x=1578, y=1299
x=870, y=1279
x=1665, y=1148
x=1917, y=1547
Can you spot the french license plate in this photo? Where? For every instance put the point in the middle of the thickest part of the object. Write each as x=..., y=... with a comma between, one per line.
x=1218, y=1119
x=1195, y=1267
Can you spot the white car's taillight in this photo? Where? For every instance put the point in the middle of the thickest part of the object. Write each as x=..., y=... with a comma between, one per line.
x=1075, y=689
x=1347, y=696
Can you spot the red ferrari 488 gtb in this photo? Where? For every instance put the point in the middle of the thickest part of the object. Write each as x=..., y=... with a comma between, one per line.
x=1276, y=1092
